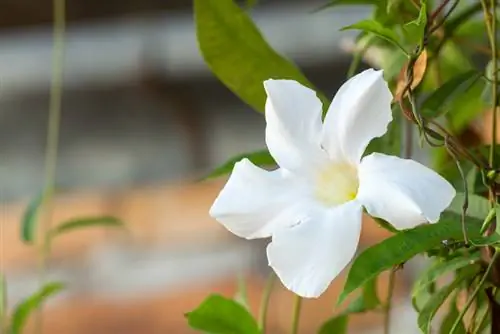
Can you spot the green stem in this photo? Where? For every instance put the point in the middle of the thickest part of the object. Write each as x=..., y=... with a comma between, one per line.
x=474, y=294
x=264, y=306
x=493, y=42
x=297, y=306
x=388, y=303
x=59, y=28
x=3, y=303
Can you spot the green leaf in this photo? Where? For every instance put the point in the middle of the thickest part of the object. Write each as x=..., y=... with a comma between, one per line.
x=23, y=310
x=259, y=158
x=439, y=102
x=220, y=315
x=78, y=223
x=238, y=55
x=335, y=325
x=437, y=299
x=449, y=321
x=441, y=267
x=478, y=206
x=29, y=220
x=403, y=246
x=415, y=29
x=467, y=106
x=368, y=300
x=390, y=143
x=497, y=215
x=378, y=29
x=472, y=178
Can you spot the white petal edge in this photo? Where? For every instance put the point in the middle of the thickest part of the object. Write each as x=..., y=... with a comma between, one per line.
x=293, y=125
x=308, y=256
x=254, y=201
x=359, y=112
x=401, y=191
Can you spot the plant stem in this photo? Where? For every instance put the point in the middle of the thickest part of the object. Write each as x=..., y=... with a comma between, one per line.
x=474, y=293
x=3, y=303
x=264, y=306
x=297, y=306
x=59, y=27
x=388, y=303
x=494, y=89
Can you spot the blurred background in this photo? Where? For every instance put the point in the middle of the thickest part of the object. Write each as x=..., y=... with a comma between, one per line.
x=143, y=119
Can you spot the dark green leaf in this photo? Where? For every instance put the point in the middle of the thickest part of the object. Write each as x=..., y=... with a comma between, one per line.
x=437, y=299
x=368, y=300
x=403, y=246
x=23, y=310
x=29, y=220
x=390, y=143
x=220, y=315
x=236, y=52
x=467, y=107
x=259, y=158
x=378, y=29
x=78, y=223
x=449, y=321
x=439, y=102
x=335, y=325
x=441, y=267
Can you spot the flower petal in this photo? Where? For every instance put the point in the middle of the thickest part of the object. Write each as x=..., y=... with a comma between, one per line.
x=360, y=111
x=401, y=191
x=308, y=256
x=256, y=201
x=293, y=131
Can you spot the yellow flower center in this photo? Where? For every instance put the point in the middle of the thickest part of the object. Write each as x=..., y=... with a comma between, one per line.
x=337, y=184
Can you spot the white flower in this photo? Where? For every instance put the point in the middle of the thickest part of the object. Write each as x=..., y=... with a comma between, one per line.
x=311, y=206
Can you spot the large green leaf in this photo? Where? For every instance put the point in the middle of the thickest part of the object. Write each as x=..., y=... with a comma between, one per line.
x=259, y=158
x=220, y=315
x=23, y=310
x=335, y=325
x=437, y=299
x=441, y=267
x=30, y=219
x=449, y=320
x=79, y=223
x=378, y=29
x=403, y=246
x=439, y=101
x=236, y=52
x=478, y=207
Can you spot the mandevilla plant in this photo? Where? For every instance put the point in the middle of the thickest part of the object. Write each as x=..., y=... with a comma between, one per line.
x=436, y=71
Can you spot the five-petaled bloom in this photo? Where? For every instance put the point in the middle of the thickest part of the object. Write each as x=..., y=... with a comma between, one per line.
x=311, y=206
